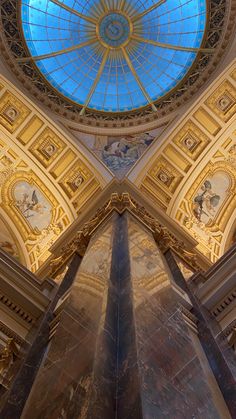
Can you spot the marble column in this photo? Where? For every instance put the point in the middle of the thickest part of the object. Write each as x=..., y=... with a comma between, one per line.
x=214, y=350
x=123, y=348
x=173, y=382
x=65, y=385
x=91, y=370
x=115, y=390
x=17, y=396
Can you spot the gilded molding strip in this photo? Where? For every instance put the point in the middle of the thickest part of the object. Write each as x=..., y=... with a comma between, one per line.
x=55, y=54
x=104, y=60
x=170, y=46
x=73, y=11
x=138, y=79
x=150, y=9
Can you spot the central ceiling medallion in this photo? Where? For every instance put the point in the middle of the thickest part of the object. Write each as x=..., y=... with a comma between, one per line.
x=114, y=30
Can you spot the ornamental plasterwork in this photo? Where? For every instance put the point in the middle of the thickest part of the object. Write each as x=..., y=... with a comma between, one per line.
x=191, y=140
x=208, y=206
x=75, y=179
x=35, y=156
x=221, y=18
x=47, y=147
x=166, y=174
x=121, y=203
x=13, y=112
x=35, y=211
x=231, y=159
x=201, y=136
x=53, y=152
x=223, y=101
x=21, y=212
x=7, y=167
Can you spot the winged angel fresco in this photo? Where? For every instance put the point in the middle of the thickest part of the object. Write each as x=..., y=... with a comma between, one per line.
x=206, y=201
x=30, y=205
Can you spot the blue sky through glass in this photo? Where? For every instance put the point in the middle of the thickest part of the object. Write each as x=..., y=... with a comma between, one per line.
x=113, y=86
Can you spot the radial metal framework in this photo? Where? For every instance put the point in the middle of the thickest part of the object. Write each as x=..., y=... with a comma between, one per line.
x=113, y=55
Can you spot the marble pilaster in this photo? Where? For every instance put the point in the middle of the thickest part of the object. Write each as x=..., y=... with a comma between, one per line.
x=123, y=348
x=172, y=380
x=215, y=351
x=17, y=396
x=65, y=382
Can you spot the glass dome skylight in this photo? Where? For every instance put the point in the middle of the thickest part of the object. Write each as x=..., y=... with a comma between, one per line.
x=113, y=55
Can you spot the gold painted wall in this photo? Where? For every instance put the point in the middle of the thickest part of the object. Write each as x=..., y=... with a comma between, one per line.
x=45, y=179
x=45, y=173
x=200, y=151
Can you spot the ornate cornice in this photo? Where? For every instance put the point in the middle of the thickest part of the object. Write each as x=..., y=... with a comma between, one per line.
x=228, y=333
x=16, y=309
x=9, y=333
x=228, y=300
x=221, y=17
x=120, y=203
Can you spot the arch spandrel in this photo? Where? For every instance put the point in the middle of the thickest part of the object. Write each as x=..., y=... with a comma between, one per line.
x=190, y=152
x=46, y=177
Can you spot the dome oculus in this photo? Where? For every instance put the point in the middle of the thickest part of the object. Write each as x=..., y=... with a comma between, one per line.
x=114, y=30
x=113, y=56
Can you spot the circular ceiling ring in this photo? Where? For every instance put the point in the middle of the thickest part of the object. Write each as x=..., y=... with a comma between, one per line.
x=84, y=113
x=124, y=59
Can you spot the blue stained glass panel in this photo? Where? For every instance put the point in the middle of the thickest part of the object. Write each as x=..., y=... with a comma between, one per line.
x=151, y=46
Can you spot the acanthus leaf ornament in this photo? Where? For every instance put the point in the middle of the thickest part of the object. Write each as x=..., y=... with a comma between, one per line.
x=120, y=203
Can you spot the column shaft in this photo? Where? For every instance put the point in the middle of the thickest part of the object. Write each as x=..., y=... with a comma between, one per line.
x=21, y=387
x=212, y=349
x=173, y=383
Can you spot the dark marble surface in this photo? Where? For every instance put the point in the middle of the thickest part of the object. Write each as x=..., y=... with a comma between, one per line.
x=91, y=368
x=66, y=383
x=122, y=349
x=172, y=381
x=21, y=387
x=220, y=357
x=115, y=391
x=127, y=386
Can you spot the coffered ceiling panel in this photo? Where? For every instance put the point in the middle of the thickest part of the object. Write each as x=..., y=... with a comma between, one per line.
x=192, y=175
x=45, y=179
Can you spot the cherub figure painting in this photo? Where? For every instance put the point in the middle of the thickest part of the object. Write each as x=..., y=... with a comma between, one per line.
x=28, y=205
x=210, y=196
x=33, y=205
x=120, y=152
x=205, y=199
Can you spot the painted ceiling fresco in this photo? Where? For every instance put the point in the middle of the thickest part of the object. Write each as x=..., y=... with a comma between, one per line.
x=119, y=153
x=51, y=174
x=44, y=180
x=192, y=175
x=211, y=196
x=33, y=206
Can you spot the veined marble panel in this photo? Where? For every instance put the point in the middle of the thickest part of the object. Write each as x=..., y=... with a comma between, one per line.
x=172, y=380
x=65, y=381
